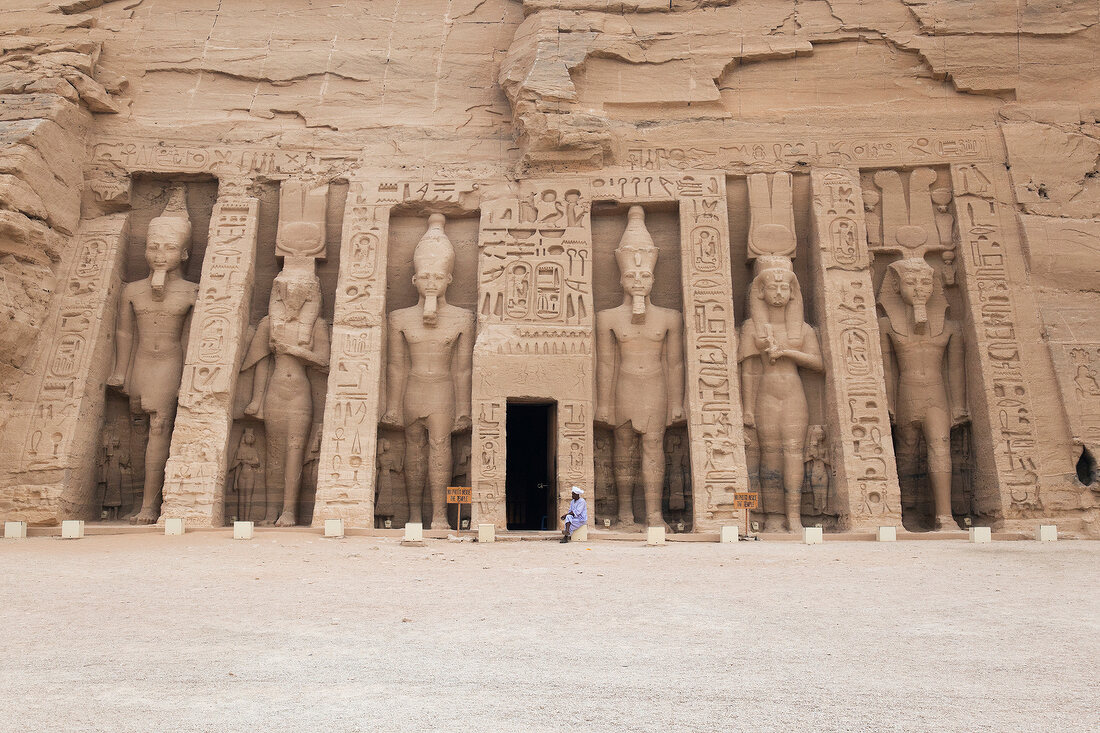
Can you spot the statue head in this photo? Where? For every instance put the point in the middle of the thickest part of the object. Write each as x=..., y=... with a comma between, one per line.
x=775, y=286
x=637, y=258
x=168, y=240
x=433, y=264
x=912, y=284
x=248, y=437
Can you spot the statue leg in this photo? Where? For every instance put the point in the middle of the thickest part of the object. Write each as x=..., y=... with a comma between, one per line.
x=653, y=477
x=622, y=460
x=439, y=466
x=275, y=429
x=908, y=458
x=793, y=472
x=937, y=436
x=156, y=457
x=297, y=437
x=772, y=499
x=416, y=468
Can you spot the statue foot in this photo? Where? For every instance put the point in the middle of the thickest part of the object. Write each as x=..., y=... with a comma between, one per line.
x=774, y=523
x=627, y=524
x=286, y=520
x=145, y=516
x=946, y=524
x=796, y=527
x=439, y=521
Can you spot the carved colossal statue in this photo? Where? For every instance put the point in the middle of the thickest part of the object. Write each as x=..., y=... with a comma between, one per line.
x=430, y=361
x=639, y=373
x=289, y=340
x=153, y=321
x=775, y=343
x=925, y=400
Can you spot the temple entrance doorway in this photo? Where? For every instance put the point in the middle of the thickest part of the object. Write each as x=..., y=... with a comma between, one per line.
x=530, y=484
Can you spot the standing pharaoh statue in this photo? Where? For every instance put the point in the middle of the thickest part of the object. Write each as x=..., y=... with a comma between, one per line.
x=153, y=321
x=775, y=343
x=926, y=400
x=430, y=362
x=639, y=373
x=289, y=341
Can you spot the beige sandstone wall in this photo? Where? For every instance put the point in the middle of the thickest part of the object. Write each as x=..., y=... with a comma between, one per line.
x=102, y=102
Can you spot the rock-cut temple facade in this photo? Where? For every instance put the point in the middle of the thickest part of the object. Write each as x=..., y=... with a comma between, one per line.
x=287, y=262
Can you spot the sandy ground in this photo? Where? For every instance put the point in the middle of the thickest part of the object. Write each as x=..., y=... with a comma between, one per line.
x=294, y=632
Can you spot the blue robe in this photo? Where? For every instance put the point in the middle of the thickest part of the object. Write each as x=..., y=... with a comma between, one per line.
x=578, y=515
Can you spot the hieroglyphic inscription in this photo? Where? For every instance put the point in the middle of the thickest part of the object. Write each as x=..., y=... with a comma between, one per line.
x=985, y=252
x=194, y=480
x=139, y=156
x=62, y=430
x=488, y=460
x=855, y=391
x=715, y=422
x=346, y=471
x=645, y=156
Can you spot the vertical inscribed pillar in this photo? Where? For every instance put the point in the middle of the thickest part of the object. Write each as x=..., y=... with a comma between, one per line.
x=1003, y=335
x=715, y=424
x=857, y=414
x=55, y=474
x=194, y=480
x=346, y=469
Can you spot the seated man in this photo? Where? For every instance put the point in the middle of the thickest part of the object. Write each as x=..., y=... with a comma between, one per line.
x=577, y=516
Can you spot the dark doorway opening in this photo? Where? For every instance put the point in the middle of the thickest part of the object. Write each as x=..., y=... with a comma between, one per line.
x=530, y=482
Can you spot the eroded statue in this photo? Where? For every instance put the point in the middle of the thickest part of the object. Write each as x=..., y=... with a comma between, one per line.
x=775, y=343
x=922, y=352
x=639, y=373
x=430, y=361
x=151, y=342
x=289, y=340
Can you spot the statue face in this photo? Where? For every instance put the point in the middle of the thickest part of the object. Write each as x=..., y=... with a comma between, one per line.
x=164, y=248
x=431, y=280
x=777, y=292
x=637, y=281
x=915, y=286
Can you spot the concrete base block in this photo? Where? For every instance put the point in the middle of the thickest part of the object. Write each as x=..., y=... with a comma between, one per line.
x=812, y=536
x=1047, y=533
x=655, y=536
x=173, y=526
x=580, y=534
x=981, y=534
x=72, y=529
x=486, y=533
x=887, y=534
x=15, y=530
x=334, y=528
x=728, y=534
x=414, y=534
x=243, y=530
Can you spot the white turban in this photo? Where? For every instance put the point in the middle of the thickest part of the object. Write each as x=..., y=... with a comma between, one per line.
x=578, y=490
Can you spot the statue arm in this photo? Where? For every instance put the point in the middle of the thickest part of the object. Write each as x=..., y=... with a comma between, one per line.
x=606, y=368
x=124, y=341
x=396, y=375
x=462, y=368
x=674, y=369
x=258, y=356
x=956, y=377
x=811, y=357
x=890, y=372
x=316, y=355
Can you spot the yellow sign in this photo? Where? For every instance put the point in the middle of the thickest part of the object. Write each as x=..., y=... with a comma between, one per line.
x=746, y=500
x=460, y=495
